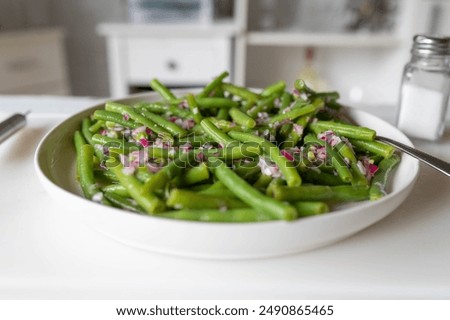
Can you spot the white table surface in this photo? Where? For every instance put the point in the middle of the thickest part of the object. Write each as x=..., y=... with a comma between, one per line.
x=48, y=254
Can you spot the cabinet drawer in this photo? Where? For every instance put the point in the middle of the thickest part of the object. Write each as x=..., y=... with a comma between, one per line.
x=26, y=64
x=177, y=61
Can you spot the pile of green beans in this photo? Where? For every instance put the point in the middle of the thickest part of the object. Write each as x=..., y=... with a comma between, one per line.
x=230, y=154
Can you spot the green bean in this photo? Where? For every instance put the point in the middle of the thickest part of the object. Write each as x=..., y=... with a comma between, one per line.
x=235, y=152
x=316, y=176
x=183, y=199
x=264, y=105
x=249, y=171
x=116, y=118
x=146, y=199
x=249, y=195
x=241, y=92
x=247, y=105
x=193, y=175
x=301, y=86
x=207, y=103
x=169, y=126
x=78, y=141
x=276, y=88
x=293, y=114
x=210, y=87
x=284, y=132
x=374, y=147
x=241, y=118
x=272, y=184
x=349, y=193
x=286, y=100
x=194, y=108
x=104, y=176
x=117, y=189
x=85, y=168
x=379, y=180
x=160, y=179
x=215, y=133
x=336, y=159
x=162, y=90
x=346, y=130
x=97, y=126
x=196, y=140
x=289, y=172
x=321, y=193
x=223, y=125
x=236, y=215
x=222, y=114
x=358, y=177
x=263, y=181
x=161, y=153
x=161, y=108
x=85, y=125
x=122, y=202
x=339, y=164
x=295, y=133
x=218, y=189
x=326, y=96
x=311, y=208
x=346, y=151
x=126, y=110
x=142, y=174
x=112, y=142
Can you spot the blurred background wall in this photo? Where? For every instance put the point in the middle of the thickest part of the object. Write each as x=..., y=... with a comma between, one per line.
x=334, y=42
x=84, y=48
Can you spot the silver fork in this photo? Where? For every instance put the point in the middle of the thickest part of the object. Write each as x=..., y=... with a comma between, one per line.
x=435, y=163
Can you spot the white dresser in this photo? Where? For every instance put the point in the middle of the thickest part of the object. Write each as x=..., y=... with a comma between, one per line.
x=178, y=55
x=33, y=62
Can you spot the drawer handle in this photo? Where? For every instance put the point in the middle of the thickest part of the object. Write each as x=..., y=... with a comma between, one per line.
x=172, y=65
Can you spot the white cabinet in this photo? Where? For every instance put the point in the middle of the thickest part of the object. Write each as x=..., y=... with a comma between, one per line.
x=176, y=61
x=178, y=55
x=33, y=62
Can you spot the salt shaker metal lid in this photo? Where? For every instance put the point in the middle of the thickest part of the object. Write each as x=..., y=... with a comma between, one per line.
x=431, y=45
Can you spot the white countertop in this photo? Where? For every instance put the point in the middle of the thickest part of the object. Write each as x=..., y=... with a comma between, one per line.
x=48, y=254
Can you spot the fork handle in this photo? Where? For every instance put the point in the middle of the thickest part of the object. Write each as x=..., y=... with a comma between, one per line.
x=435, y=163
x=11, y=125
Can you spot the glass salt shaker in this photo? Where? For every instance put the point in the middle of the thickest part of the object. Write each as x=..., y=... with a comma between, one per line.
x=425, y=88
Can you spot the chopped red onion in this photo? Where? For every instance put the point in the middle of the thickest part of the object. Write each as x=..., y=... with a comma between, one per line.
x=373, y=168
x=298, y=129
x=144, y=142
x=269, y=169
x=287, y=155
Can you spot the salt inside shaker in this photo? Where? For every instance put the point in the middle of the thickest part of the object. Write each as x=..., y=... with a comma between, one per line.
x=425, y=88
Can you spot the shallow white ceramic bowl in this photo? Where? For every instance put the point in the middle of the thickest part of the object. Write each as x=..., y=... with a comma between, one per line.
x=55, y=166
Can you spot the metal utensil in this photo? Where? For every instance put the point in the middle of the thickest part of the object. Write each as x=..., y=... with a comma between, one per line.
x=435, y=163
x=12, y=125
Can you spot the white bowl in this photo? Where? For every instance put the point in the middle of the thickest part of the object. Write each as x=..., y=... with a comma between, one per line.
x=55, y=166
